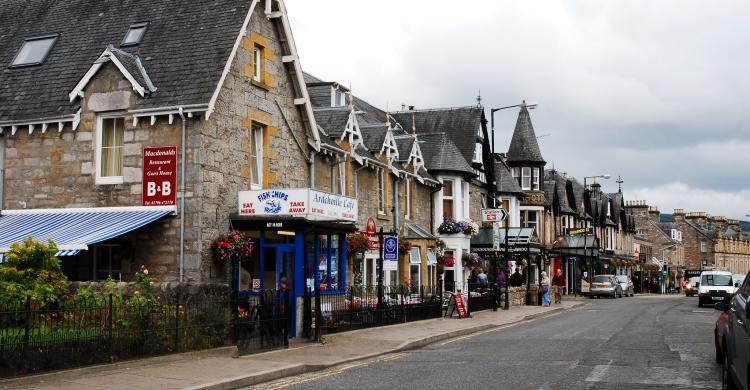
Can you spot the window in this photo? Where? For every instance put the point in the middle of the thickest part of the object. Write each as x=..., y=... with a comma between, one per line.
x=257, y=62
x=107, y=262
x=381, y=191
x=34, y=51
x=338, y=98
x=431, y=261
x=525, y=178
x=679, y=235
x=515, y=171
x=342, y=177
x=328, y=262
x=484, y=200
x=447, y=199
x=529, y=220
x=506, y=206
x=407, y=195
x=110, y=143
x=535, y=181
x=478, y=153
x=704, y=246
x=256, y=157
x=134, y=35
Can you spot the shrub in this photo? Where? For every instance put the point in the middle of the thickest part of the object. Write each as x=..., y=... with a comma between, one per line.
x=32, y=270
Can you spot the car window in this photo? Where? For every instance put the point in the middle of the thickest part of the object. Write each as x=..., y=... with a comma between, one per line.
x=716, y=280
x=601, y=279
x=744, y=290
x=622, y=279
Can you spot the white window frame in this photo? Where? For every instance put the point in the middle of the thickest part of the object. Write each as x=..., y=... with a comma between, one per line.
x=704, y=246
x=98, y=178
x=407, y=196
x=257, y=62
x=452, y=197
x=478, y=153
x=535, y=179
x=525, y=216
x=465, y=200
x=526, y=178
x=256, y=134
x=516, y=173
x=342, y=177
x=381, y=191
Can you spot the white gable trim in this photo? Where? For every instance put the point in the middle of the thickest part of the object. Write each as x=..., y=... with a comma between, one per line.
x=232, y=55
x=103, y=58
x=389, y=146
x=416, y=155
x=352, y=130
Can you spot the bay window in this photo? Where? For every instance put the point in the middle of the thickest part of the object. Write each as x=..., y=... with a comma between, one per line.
x=535, y=180
x=447, y=199
x=526, y=178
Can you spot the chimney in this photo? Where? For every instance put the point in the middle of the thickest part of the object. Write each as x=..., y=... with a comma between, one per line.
x=654, y=214
x=698, y=217
x=411, y=108
x=678, y=216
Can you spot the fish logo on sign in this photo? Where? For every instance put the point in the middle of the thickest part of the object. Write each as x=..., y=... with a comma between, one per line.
x=390, y=248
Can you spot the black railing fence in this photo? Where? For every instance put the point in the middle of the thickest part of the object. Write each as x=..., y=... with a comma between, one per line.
x=483, y=296
x=363, y=307
x=106, y=328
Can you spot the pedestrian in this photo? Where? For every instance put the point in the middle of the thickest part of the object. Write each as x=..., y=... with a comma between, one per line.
x=558, y=284
x=501, y=278
x=516, y=280
x=482, y=277
x=545, y=289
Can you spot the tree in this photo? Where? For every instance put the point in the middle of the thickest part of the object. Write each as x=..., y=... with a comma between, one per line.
x=32, y=270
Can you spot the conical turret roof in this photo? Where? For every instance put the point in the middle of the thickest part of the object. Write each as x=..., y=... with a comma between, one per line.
x=524, y=147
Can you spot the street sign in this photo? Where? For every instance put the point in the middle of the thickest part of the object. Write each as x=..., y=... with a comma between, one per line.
x=390, y=248
x=494, y=215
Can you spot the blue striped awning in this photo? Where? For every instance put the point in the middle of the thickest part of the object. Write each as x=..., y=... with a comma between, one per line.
x=74, y=230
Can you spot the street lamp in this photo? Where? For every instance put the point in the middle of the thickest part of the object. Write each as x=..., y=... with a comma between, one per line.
x=605, y=176
x=530, y=105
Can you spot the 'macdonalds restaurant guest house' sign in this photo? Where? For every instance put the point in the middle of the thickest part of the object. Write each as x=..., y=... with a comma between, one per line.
x=297, y=202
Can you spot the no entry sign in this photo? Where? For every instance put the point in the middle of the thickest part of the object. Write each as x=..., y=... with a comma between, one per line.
x=159, y=176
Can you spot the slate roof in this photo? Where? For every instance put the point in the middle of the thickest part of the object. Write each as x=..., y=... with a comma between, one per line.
x=460, y=124
x=184, y=49
x=134, y=66
x=441, y=154
x=373, y=136
x=578, y=197
x=404, y=145
x=561, y=191
x=524, y=147
x=425, y=174
x=506, y=184
x=333, y=120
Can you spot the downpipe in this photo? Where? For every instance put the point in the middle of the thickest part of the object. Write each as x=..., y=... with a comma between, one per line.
x=182, y=198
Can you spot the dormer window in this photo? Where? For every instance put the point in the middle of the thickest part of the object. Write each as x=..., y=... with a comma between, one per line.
x=34, y=51
x=135, y=34
x=478, y=153
x=338, y=97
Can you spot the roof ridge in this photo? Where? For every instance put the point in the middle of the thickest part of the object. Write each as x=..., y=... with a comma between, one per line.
x=434, y=109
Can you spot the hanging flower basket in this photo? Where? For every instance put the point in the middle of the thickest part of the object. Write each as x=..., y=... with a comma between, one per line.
x=469, y=227
x=447, y=261
x=232, y=245
x=404, y=247
x=471, y=260
x=357, y=243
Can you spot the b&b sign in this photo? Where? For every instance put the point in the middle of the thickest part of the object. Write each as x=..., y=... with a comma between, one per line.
x=494, y=215
x=159, y=176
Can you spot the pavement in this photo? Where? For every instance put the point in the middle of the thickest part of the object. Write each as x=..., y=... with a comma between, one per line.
x=645, y=342
x=219, y=369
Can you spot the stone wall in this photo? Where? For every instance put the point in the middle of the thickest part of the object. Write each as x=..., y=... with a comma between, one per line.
x=691, y=241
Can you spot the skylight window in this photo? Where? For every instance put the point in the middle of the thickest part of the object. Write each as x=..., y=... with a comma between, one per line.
x=135, y=34
x=34, y=51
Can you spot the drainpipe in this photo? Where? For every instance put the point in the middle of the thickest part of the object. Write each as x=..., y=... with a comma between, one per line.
x=432, y=207
x=396, y=182
x=2, y=170
x=311, y=165
x=182, y=198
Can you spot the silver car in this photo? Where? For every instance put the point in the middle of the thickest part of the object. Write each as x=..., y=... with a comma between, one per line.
x=605, y=285
x=627, y=285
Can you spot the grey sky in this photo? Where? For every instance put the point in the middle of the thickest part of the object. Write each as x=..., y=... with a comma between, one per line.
x=654, y=91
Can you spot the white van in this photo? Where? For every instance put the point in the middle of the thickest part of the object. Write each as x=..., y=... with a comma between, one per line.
x=714, y=286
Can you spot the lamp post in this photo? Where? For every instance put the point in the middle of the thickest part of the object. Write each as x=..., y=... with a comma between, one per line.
x=530, y=105
x=605, y=176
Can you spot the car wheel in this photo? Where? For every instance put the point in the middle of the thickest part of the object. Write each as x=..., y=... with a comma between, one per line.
x=727, y=381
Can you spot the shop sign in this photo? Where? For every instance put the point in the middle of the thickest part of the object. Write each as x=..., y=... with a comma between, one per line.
x=159, y=176
x=371, y=231
x=390, y=248
x=298, y=202
x=579, y=231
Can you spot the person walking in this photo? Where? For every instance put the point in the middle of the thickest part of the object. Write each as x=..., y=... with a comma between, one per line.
x=558, y=284
x=516, y=280
x=545, y=289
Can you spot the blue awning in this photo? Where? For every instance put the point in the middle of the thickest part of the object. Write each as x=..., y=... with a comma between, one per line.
x=74, y=230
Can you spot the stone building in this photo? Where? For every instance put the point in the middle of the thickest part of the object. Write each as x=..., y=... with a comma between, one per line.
x=380, y=162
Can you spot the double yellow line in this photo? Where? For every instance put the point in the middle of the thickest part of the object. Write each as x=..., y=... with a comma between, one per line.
x=336, y=371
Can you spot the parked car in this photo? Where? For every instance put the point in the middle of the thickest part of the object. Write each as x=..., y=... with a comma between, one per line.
x=605, y=285
x=714, y=286
x=734, y=344
x=691, y=288
x=720, y=330
x=737, y=279
x=626, y=284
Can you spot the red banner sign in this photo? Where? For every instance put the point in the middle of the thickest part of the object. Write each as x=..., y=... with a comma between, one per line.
x=460, y=306
x=160, y=176
x=371, y=230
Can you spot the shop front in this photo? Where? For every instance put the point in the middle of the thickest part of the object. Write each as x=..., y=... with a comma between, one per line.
x=576, y=256
x=301, y=243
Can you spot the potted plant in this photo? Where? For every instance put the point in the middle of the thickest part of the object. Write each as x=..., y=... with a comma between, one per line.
x=469, y=227
x=470, y=260
x=446, y=261
x=449, y=226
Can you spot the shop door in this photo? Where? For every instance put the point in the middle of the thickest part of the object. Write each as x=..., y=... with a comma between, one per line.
x=285, y=281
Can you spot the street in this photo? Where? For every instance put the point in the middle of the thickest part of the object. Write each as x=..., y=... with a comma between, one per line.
x=646, y=342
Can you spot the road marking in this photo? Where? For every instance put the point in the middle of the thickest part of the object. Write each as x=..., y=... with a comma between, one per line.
x=498, y=328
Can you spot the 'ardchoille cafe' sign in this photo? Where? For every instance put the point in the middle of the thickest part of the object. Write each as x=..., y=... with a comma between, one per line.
x=298, y=202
